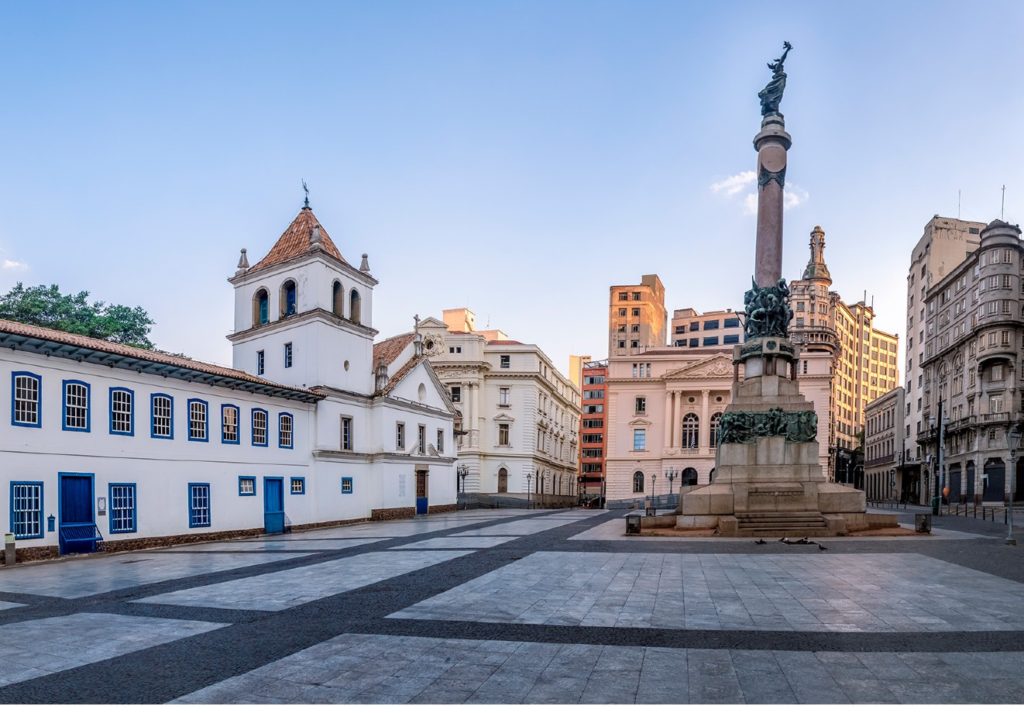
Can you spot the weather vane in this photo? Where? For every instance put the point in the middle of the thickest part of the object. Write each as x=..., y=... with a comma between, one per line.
x=306, y=189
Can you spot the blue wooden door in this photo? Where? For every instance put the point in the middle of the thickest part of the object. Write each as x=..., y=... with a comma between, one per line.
x=76, y=518
x=273, y=505
x=421, y=493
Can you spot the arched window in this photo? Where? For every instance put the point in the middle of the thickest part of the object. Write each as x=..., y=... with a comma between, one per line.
x=289, y=298
x=502, y=480
x=691, y=431
x=355, y=309
x=638, y=482
x=689, y=476
x=338, y=300
x=714, y=429
x=260, y=310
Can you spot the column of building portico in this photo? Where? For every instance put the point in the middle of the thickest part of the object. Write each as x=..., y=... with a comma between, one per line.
x=669, y=406
x=705, y=422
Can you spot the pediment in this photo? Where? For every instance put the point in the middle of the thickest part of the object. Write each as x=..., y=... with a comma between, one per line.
x=640, y=422
x=717, y=365
x=432, y=323
x=503, y=418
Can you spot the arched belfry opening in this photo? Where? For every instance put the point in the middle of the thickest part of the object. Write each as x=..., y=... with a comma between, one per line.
x=338, y=299
x=289, y=298
x=355, y=307
x=260, y=307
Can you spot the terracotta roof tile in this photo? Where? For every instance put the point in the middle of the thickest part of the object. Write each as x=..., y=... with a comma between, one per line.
x=391, y=348
x=402, y=373
x=295, y=241
x=101, y=345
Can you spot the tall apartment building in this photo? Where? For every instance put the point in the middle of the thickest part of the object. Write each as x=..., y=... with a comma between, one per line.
x=864, y=357
x=518, y=415
x=943, y=246
x=692, y=329
x=971, y=367
x=883, y=445
x=593, y=428
x=636, y=316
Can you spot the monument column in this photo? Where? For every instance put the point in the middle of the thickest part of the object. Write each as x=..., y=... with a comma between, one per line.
x=771, y=143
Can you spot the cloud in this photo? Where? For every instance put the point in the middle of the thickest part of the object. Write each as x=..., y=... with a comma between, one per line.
x=792, y=196
x=734, y=184
x=13, y=265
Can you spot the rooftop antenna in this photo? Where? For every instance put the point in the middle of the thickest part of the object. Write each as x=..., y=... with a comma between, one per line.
x=1002, y=205
x=306, y=189
x=958, y=203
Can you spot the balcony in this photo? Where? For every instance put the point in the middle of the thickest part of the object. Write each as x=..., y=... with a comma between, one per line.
x=814, y=337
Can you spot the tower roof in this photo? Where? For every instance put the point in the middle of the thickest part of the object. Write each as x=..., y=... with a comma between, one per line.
x=299, y=239
x=816, y=268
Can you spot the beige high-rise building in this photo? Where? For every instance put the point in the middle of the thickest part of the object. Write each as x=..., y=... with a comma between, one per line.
x=864, y=357
x=636, y=316
x=883, y=443
x=945, y=244
x=971, y=364
x=693, y=329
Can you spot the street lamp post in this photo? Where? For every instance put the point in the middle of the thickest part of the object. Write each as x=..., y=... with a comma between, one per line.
x=462, y=471
x=654, y=492
x=928, y=462
x=670, y=473
x=1013, y=435
x=529, y=491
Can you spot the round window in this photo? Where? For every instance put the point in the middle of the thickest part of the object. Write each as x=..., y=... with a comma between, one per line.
x=346, y=365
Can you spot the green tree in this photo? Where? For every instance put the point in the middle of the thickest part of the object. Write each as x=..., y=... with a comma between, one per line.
x=44, y=306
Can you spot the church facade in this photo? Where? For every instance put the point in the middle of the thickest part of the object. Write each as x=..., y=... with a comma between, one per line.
x=313, y=425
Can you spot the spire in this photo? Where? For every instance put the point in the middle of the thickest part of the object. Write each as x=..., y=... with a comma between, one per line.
x=816, y=268
x=315, y=239
x=305, y=206
x=380, y=374
x=243, y=263
x=305, y=235
x=365, y=265
x=418, y=338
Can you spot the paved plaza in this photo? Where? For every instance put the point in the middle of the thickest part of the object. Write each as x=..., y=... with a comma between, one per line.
x=519, y=606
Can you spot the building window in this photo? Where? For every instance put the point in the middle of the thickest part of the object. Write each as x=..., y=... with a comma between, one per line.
x=298, y=486
x=634, y=328
x=288, y=355
x=715, y=420
x=285, y=430
x=122, y=417
x=636, y=296
x=289, y=298
x=26, y=399
x=198, y=504
x=503, y=396
x=624, y=296
x=76, y=406
x=634, y=344
x=505, y=361
x=229, y=424
x=731, y=322
x=260, y=363
x=122, y=508
x=399, y=436
x=421, y=439
x=197, y=411
x=711, y=324
x=346, y=485
x=640, y=404
x=638, y=482
x=503, y=434
x=622, y=344
x=26, y=510
x=259, y=427
x=346, y=433
x=355, y=307
x=731, y=339
x=639, y=439
x=456, y=394
x=622, y=311
x=260, y=311
x=691, y=431
x=710, y=341
x=246, y=485
x=161, y=417
x=636, y=312
x=694, y=342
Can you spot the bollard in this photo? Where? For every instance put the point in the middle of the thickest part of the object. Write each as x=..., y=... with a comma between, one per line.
x=9, y=554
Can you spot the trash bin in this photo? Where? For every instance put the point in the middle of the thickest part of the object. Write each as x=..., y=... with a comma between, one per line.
x=633, y=524
x=922, y=523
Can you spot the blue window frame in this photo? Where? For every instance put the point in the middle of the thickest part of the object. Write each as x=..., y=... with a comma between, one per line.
x=346, y=485
x=247, y=485
x=229, y=424
x=259, y=363
x=199, y=505
x=259, y=427
x=122, y=412
x=285, y=431
x=731, y=322
x=288, y=355
x=711, y=324
x=694, y=342
x=731, y=339
x=639, y=439
x=26, y=510
x=710, y=341
x=75, y=407
x=198, y=420
x=297, y=486
x=161, y=416
x=26, y=399
x=123, y=508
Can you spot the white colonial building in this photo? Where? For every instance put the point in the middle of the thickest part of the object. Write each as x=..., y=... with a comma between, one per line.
x=313, y=425
x=519, y=416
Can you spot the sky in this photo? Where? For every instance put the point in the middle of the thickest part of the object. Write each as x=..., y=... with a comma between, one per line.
x=516, y=158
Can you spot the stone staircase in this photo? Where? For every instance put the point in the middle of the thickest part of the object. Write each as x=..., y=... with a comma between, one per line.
x=782, y=524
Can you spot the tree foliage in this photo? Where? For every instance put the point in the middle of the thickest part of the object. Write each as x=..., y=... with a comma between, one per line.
x=44, y=306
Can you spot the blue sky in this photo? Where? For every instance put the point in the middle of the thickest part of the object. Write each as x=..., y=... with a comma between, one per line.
x=513, y=157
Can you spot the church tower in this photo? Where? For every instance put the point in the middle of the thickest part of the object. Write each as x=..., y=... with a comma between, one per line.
x=304, y=314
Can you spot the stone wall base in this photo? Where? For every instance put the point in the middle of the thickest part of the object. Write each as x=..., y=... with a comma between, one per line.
x=392, y=513
x=441, y=508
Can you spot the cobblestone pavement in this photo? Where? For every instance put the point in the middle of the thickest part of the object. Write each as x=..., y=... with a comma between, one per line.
x=522, y=607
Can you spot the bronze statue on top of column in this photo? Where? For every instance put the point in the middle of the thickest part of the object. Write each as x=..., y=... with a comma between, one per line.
x=771, y=95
